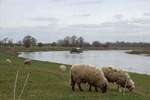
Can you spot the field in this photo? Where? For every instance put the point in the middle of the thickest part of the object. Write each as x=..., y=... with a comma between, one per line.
x=46, y=82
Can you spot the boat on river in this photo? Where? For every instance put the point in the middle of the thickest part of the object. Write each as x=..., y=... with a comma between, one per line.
x=76, y=50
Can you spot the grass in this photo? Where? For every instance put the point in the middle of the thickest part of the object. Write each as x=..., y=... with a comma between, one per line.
x=46, y=82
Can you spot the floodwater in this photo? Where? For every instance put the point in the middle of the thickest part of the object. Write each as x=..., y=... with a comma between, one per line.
x=100, y=58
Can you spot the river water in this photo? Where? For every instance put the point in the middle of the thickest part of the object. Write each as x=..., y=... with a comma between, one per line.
x=100, y=58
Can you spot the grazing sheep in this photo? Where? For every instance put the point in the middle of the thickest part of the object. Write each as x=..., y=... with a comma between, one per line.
x=28, y=62
x=62, y=68
x=81, y=73
x=120, y=77
x=8, y=60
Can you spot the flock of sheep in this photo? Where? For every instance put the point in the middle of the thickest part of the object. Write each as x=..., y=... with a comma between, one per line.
x=98, y=77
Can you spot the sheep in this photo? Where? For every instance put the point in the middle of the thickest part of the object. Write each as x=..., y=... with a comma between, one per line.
x=27, y=62
x=62, y=68
x=8, y=60
x=120, y=77
x=82, y=73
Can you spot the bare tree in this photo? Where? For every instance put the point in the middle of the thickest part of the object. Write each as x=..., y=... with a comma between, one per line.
x=80, y=41
x=19, y=43
x=96, y=44
x=67, y=41
x=29, y=41
x=40, y=44
x=73, y=40
x=10, y=42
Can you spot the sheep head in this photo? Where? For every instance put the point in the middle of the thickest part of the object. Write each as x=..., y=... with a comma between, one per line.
x=130, y=85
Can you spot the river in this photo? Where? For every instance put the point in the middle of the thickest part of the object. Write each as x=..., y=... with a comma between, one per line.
x=100, y=58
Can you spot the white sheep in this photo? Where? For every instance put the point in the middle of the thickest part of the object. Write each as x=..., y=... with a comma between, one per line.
x=62, y=68
x=28, y=62
x=120, y=77
x=8, y=60
x=81, y=73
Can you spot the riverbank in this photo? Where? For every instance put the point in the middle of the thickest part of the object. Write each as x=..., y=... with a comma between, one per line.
x=144, y=52
x=60, y=48
x=46, y=82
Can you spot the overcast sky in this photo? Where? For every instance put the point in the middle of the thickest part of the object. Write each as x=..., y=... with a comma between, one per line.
x=50, y=20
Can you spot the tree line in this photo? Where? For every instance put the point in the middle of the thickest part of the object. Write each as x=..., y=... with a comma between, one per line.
x=27, y=41
x=69, y=41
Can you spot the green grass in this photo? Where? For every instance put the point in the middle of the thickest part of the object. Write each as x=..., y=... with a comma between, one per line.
x=46, y=82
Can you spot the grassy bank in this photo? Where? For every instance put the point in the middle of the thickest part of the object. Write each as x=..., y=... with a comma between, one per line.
x=145, y=52
x=46, y=82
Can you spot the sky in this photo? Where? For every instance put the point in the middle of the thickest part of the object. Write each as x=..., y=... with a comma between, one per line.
x=50, y=20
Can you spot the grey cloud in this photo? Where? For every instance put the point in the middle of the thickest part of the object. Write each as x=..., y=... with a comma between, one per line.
x=36, y=29
x=77, y=2
x=83, y=15
x=45, y=19
x=141, y=20
x=130, y=27
x=86, y=2
x=118, y=16
x=50, y=21
x=147, y=14
x=84, y=26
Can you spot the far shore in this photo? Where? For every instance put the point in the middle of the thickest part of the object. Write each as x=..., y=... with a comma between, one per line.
x=17, y=49
x=61, y=48
x=143, y=52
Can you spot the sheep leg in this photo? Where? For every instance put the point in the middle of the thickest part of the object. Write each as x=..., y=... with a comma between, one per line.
x=73, y=83
x=96, y=89
x=118, y=87
x=90, y=88
x=79, y=85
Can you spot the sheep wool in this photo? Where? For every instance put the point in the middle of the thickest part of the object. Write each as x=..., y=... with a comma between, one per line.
x=28, y=62
x=82, y=73
x=8, y=60
x=120, y=77
x=62, y=68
